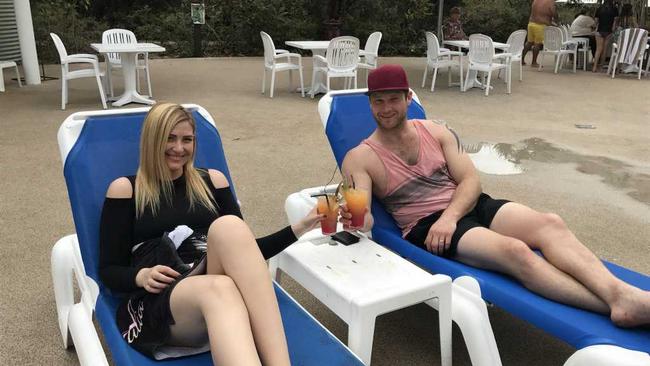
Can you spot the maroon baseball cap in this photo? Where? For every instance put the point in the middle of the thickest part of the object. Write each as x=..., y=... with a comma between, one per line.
x=387, y=77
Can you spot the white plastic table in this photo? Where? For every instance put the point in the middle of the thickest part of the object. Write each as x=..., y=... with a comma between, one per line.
x=358, y=282
x=316, y=48
x=463, y=44
x=128, y=54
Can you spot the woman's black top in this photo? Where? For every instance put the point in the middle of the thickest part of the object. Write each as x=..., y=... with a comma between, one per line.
x=606, y=16
x=120, y=230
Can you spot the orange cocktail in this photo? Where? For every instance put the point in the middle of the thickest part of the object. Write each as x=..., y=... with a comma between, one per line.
x=328, y=206
x=357, y=202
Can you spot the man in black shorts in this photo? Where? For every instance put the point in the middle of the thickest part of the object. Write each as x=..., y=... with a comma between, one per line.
x=420, y=172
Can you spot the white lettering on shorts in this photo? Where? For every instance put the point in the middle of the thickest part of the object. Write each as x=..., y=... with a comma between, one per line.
x=136, y=321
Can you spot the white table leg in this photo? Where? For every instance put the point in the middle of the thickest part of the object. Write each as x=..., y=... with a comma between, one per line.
x=130, y=94
x=319, y=86
x=361, y=331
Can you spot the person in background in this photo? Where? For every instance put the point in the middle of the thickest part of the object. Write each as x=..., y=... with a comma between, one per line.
x=607, y=16
x=584, y=26
x=453, y=28
x=627, y=18
x=542, y=13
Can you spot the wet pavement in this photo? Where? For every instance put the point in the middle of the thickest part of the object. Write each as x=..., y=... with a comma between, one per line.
x=507, y=159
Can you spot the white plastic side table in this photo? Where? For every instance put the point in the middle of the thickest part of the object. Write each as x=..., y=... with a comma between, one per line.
x=358, y=282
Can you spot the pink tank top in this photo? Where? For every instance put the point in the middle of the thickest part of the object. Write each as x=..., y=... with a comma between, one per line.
x=415, y=191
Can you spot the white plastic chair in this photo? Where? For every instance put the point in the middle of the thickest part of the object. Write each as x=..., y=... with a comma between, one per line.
x=66, y=74
x=270, y=63
x=629, y=48
x=516, y=41
x=5, y=65
x=582, y=44
x=555, y=44
x=370, y=53
x=340, y=61
x=437, y=58
x=113, y=60
x=482, y=59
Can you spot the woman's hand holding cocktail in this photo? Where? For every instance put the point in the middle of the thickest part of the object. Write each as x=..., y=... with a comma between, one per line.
x=309, y=222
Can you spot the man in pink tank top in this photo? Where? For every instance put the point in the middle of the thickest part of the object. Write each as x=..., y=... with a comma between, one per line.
x=424, y=178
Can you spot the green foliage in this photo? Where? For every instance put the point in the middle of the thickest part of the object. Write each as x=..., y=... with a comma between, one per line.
x=402, y=23
x=232, y=26
x=63, y=18
x=495, y=18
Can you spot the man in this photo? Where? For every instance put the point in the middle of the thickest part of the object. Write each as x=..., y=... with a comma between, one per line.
x=420, y=172
x=542, y=13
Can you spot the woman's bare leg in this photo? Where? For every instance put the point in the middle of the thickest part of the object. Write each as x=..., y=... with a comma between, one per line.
x=600, y=47
x=232, y=250
x=218, y=314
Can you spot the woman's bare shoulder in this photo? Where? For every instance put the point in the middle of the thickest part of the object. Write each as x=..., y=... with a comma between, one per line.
x=120, y=188
x=218, y=179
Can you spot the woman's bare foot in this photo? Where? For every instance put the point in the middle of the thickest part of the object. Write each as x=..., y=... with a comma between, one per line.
x=632, y=308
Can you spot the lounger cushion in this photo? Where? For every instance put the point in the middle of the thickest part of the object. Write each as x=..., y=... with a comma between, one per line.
x=106, y=149
x=350, y=121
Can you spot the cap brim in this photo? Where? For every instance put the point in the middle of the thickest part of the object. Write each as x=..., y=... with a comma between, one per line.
x=385, y=89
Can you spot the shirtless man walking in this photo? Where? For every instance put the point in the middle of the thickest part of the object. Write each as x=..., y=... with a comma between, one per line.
x=542, y=13
x=420, y=172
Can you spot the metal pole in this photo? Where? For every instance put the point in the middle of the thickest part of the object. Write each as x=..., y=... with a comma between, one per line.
x=440, y=7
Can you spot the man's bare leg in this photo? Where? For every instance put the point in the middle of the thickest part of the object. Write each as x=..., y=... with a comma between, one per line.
x=536, y=48
x=527, y=48
x=484, y=248
x=629, y=305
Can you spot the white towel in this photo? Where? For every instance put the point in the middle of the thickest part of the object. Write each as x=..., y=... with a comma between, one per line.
x=631, y=44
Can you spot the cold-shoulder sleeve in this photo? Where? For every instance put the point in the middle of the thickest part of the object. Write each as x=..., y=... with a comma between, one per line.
x=269, y=245
x=115, y=242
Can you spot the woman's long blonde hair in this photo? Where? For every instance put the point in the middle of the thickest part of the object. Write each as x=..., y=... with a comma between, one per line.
x=153, y=175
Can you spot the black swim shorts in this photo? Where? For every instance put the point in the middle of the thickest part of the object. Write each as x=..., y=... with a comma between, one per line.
x=481, y=216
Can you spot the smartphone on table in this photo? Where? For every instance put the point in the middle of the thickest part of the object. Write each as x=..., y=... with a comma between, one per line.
x=345, y=238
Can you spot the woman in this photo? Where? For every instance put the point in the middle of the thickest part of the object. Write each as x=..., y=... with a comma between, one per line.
x=627, y=18
x=226, y=302
x=607, y=15
x=453, y=28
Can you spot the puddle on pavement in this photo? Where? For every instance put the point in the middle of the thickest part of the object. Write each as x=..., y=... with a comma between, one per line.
x=507, y=159
x=490, y=159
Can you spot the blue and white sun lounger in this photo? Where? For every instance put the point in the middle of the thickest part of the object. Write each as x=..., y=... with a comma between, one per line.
x=347, y=120
x=96, y=148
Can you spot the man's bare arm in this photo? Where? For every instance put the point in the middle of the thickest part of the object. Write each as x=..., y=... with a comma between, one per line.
x=463, y=172
x=354, y=167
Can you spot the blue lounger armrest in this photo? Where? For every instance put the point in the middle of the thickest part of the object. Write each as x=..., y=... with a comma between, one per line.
x=348, y=120
x=96, y=148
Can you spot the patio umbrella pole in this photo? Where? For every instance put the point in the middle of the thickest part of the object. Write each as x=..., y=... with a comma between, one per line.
x=441, y=4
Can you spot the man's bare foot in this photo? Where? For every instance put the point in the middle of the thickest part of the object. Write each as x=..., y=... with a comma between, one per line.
x=632, y=309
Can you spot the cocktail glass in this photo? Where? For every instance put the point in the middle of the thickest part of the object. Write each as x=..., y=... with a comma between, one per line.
x=328, y=206
x=357, y=202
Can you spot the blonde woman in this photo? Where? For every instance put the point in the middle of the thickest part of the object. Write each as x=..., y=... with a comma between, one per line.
x=224, y=300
